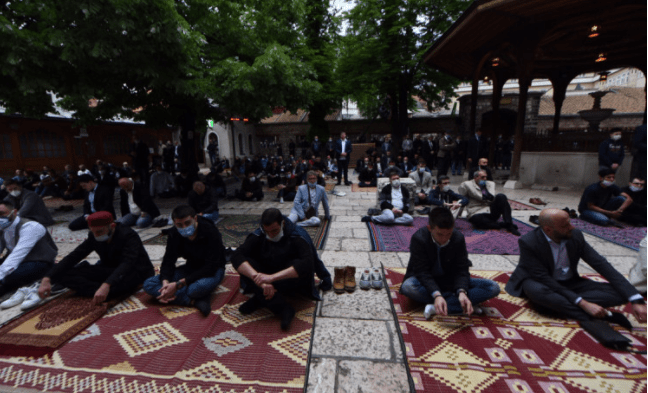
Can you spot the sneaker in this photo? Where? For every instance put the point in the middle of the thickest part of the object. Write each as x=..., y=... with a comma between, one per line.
x=281, y=200
x=32, y=300
x=16, y=298
x=376, y=279
x=365, y=279
x=429, y=311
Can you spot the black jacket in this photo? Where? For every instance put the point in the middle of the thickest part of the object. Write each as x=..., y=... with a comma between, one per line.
x=125, y=254
x=204, y=255
x=141, y=198
x=103, y=200
x=447, y=274
x=205, y=203
x=385, y=198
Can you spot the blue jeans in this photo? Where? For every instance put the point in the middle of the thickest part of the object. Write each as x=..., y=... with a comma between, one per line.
x=212, y=216
x=601, y=219
x=457, y=167
x=196, y=290
x=480, y=290
x=132, y=219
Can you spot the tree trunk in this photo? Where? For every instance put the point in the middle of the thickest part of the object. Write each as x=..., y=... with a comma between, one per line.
x=188, y=161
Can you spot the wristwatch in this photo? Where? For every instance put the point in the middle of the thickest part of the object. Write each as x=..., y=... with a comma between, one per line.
x=638, y=301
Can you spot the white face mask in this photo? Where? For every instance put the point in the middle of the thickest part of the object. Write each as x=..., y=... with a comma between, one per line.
x=616, y=137
x=252, y=178
x=607, y=183
x=635, y=188
x=422, y=170
x=276, y=238
x=16, y=193
x=395, y=183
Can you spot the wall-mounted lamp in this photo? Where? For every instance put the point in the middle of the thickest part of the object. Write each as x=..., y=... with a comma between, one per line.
x=594, y=31
x=601, y=57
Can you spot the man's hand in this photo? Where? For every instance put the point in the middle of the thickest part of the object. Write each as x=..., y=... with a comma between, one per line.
x=248, y=194
x=268, y=291
x=615, y=166
x=639, y=312
x=45, y=288
x=397, y=211
x=101, y=294
x=466, y=304
x=440, y=305
x=262, y=278
x=614, y=214
x=167, y=292
x=593, y=309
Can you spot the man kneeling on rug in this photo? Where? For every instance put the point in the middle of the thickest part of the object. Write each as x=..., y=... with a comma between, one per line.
x=197, y=240
x=274, y=262
x=547, y=273
x=437, y=272
x=122, y=267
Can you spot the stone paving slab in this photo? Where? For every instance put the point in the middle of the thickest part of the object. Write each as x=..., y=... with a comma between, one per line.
x=388, y=259
x=345, y=258
x=322, y=375
x=490, y=262
x=361, y=304
x=356, y=245
x=367, y=376
x=361, y=339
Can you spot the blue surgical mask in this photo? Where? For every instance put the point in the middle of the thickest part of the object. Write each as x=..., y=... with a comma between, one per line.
x=187, y=231
x=482, y=183
x=635, y=188
x=4, y=222
x=312, y=185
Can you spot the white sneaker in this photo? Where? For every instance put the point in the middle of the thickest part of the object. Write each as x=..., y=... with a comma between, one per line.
x=31, y=301
x=16, y=298
x=429, y=311
x=281, y=200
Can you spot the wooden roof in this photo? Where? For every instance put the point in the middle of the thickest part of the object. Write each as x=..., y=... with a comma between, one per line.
x=555, y=30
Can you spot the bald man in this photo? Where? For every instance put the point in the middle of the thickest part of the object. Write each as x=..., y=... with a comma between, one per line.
x=547, y=273
x=137, y=206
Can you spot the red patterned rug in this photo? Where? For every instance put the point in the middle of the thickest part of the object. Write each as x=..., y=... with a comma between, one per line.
x=515, y=205
x=511, y=349
x=142, y=346
x=396, y=238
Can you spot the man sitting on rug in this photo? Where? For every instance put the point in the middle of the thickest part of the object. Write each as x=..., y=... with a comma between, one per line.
x=31, y=253
x=198, y=241
x=636, y=212
x=274, y=262
x=442, y=195
x=424, y=183
x=482, y=198
x=122, y=267
x=137, y=206
x=204, y=200
x=305, y=208
x=28, y=203
x=437, y=272
x=603, y=202
x=98, y=198
x=368, y=175
x=394, y=203
x=547, y=273
x=251, y=189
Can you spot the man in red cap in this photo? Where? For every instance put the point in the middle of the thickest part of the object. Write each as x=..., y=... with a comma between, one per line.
x=123, y=262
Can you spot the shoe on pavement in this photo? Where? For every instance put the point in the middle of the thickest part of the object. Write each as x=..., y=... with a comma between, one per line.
x=32, y=300
x=429, y=312
x=17, y=298
x=365, y=279
x=425, y=210
x=366, y=219
x=349, y=279
x=338, y=281
x=376, y=279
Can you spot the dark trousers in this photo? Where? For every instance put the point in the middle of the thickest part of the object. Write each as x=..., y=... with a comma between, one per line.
x=443, y=166
x=287, y=196
x=25, y=274
x=256, y=194
x=499, y=208
x=367, y=184
x=78, y=224
x=343, y=169
x=548, y=301
x=85, y=280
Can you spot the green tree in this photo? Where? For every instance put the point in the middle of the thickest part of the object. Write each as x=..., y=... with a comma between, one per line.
x=382, y=56
x=180, y=62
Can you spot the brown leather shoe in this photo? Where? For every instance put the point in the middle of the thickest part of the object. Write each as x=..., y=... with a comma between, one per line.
x=349, y=279
x=338, y=281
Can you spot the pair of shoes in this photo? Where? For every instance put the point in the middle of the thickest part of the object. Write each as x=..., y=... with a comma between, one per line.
x=17, y=298
x=344, y=279
x=537, y=201
x=371, y=278
x=425, y=210
x=366, y=219
x=27, y=297
x=572, y=213
x=326, y=284
x=203, y=305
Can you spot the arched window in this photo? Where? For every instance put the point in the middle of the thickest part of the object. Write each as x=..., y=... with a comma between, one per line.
x=241, y=147
x=250, y=144
x=42, y=144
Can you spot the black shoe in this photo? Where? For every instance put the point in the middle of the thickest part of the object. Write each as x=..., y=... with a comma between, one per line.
x=425, y=210
x=373, y=212
x=165, y=231
x=326, y=284
x=287, y=315
x=348, y=183
x=535, y=220
x=513, y=229
x=366, y=219
x=203, y=305
x=250, y=306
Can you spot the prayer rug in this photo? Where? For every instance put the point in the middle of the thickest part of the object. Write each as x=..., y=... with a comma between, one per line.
x=356, y=188
x=235, y=228
x=515, y=205
x=48, y=326
x=396, y=238
x=628, y=236
x=143, y=346
x=62, y=234
x=55, y=203
x=511, y=348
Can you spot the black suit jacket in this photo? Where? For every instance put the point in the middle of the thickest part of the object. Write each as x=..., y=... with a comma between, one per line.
x=142, y=199
x=536, y=262
x=103, y=200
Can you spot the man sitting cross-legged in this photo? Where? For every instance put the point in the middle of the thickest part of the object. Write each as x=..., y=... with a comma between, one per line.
x=275, y=261
x=603, y=202
x=394, y=203
x=307, y=201
x=547, y=273
x=198, y=241
x=424, y=183
x=437, y=272
x=122, y=267
x=442, y=195
x=137, y=206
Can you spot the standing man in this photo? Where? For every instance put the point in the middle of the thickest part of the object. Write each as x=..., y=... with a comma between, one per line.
x=446, y=147
x=28, y=203
x=343, y=149
x=137, y=206
x=316, y=147
x=198, y=241
x=98, y=198
x=459, y=157
x=547, y=273
x=305, y=208
x=477, y=148
x=437, y=272
x=140, y=153
x=639, y=153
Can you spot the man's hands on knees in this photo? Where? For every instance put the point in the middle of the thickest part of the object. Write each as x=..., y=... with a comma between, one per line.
x=101, y=295
x=167, y=292
x=466, y=304
x=45, y=288
x=593, y=309
x=639, y=312
x=268, y=291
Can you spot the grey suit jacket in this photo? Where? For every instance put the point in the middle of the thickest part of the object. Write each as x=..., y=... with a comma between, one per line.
x=536, y=262
x=31, y=206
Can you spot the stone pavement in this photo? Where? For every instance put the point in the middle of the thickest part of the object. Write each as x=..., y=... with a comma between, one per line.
x=355, y=346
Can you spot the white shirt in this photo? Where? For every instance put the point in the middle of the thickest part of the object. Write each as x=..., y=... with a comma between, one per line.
x=30, y=233
x=134, y=209
x=343, y=144
x=397, y=198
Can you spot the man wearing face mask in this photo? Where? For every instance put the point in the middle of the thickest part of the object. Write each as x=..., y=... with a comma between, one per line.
x=446, y=147
x=122, y=267
x=603, y=203
x=482, y=165
x=394, y=203
x=368, y=176
x=251, y=189
x=424, y=183
x=198, y=241
x=437, y=272
x=482, y=198
x=28, y=203
x=307, y=200
x=162, y=184
x=611, y=151
x=443, y=196
x=636, y=212
x=31, y=253
x=276, y=261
